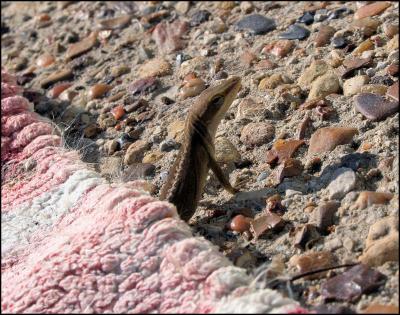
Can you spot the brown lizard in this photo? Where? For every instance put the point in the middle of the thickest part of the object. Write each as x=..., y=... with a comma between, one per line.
x=187, y=176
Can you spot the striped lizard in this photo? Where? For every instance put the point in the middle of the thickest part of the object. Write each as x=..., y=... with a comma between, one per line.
x=187, y=176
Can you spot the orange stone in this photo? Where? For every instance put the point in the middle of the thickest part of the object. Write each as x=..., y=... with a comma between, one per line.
x=282, y=150
x=328, y=138
x=365, y=147
x=45, y=60
x=98, y=90
x=371, y=9
x=240, y=223
x=44, y=18
x=368, y=198
x=381, y=309
x=118, y=112
x=58, y=89
x=81, y=47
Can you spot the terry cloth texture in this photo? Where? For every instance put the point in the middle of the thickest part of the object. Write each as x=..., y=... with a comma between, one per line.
x=73, y=243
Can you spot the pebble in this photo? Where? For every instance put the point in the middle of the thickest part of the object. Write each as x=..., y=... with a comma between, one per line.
x=310, y=261
x=328, y=138
x=307, y=18
x=372, y=9
x=168, y=36
x=217, y=26
x=157, y=67
x=140, y=86
x=118, y=112
x=115, y=23
x=288, y=168
x=68, y=95
x=304, y=235
x=380, y=309
x=57, y=76
x=81, y=47
x=262, y=176
x=279, y=48
x=45, y=60
x=282, y=150
x=343, y=181
x=357, y=280
x=225, y=151
x=247, y=58
x=315, y=70
x=391, y=30
x=98, y=90
x=168, y=145
x=353, y=86
x=295, y=32
x=256, y=23
x=249, y=109
x=192, y=88
x=393, y=91
x=364, y=46
x=393, y=70
x=240, y=223
x=138, y=171
x=368, y=25
x=339, y=42
x=270, y=82
x=338, y=13
x=323, y=215
x=182, y=7
x=374, y=107
x=353, y=63
x=321, y=15
x=374, y=89
x=135, y=152
x=369, y=198
x=125, y=140
x=246, y=6
x=119, y=70
x=256, y=134
x=58, y=89
x=324, y=35
x=265, y=222
x=111, y=146
x=324, y=85
x=152, y=157
x=200, y=17
x=91, y=131
x=176, y=129
x=265, y=65
x=193, y=65
x=382, y=242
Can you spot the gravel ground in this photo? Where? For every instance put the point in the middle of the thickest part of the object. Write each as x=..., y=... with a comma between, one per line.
x=312, y=137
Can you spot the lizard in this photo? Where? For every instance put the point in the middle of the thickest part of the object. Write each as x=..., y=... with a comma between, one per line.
x=187, y=176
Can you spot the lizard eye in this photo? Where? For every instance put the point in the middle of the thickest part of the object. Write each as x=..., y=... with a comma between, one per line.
x=217, y=100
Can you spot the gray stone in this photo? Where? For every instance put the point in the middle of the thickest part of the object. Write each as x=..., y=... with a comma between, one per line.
x=343, y=182
x=295, y=32
x=168, y=145
x=256, y=23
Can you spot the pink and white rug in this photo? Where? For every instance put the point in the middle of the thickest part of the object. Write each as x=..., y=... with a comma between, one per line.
x=73, y=243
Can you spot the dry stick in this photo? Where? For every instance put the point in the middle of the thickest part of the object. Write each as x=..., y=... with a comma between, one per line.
x=308, y=273
x=272, y=285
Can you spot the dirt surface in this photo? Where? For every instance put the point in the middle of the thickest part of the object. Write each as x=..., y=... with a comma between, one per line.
x=134, y=69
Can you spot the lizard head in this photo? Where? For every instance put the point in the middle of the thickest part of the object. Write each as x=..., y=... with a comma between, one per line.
x=214, y=102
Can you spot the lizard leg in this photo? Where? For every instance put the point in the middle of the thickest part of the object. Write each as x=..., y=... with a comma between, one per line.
x=221, y=176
